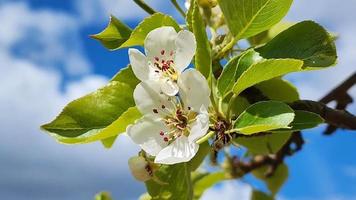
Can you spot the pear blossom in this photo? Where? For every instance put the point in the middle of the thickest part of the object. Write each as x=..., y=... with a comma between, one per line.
x=140, y=168
x=168, y=53
x=171, y=125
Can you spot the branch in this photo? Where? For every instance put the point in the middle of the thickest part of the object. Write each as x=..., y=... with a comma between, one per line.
x=335, y=117
x=145, y=7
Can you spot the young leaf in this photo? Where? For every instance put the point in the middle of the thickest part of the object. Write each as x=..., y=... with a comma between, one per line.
x=304, y=120
x=268, y=35
x=93, y=111
x=258, y=195
x=107, y=134
x=114, y=35
x=233, y=70
x=206, y=181
x=247, y=18
x=266, y=70
x=264, y=144
x=152, y=22
x=275, y=182
x=279, y=90
x=203, y=54
x=91, y=117
x=264, y=116
x=176, y=183
x=307, y=41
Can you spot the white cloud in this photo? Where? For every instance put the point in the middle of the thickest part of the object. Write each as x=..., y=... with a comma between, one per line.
x=229, y=190
x=33, y=166
x=45, y=37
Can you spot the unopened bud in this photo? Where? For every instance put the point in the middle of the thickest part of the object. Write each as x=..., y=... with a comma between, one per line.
x=140, y=168
x=207, y=3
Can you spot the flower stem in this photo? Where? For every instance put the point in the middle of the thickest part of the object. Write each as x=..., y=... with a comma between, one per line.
x=205, y=138
x=179, y=9
x=145, y=7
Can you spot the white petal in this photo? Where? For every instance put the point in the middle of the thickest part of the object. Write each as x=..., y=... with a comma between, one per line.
x=169, y=87
x=146, y=133
x=200, y=126
x=194, y=89
x=159, y=39
x=185, y=50
x=149, y=98
x=138, y=169
x=179, y=151
x=139, y=65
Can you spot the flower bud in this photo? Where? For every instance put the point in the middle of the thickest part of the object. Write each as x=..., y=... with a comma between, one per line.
x=140, y=168
x=207, y=3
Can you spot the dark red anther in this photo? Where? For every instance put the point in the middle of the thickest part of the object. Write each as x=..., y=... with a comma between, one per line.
x=162, y=52
x=163, y=106
x=155, y=111
x=165, y=139
x=156, y=58
x=161, y=133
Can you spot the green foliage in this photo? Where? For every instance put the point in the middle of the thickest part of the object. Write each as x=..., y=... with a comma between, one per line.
x=118, y=35
x=258, y=195
x=279, y=90
x=269, y=34
x=114, y=35
x=307, y=41
x=264, y=116
x=150, y=23
x=247, y=18
x=202, y=59
x=265, y=70
x=100, y=115
x=276, y=181
x=103, y=196
x=305, y=120
x=176, y=183
x=204, y=149
x=234, y=69
x=264, y=144
x=204, y=181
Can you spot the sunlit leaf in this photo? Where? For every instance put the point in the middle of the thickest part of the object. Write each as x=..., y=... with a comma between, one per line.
x=264, y=116
x=247, y=18
x=279, y=90
x=307, y=41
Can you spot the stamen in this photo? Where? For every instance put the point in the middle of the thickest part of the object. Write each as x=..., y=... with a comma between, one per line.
x=157, y=59
x=161, y=133
x=155, y=110
x=166, y=139
x=163, y=107
x=162, y=52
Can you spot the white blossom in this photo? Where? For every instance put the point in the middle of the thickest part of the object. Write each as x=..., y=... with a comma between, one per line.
x=172, y=124
x=168, y=53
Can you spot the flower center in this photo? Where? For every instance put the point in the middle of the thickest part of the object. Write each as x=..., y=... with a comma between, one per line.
x=177, y=120
x=164, y=64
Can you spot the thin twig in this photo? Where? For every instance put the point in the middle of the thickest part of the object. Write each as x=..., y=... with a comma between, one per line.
x=145, y=7
x=179, y=9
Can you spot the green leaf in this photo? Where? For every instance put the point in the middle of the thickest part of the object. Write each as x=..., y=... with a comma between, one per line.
x=275, y=182
x=103, y=196
x=305, y=120
x=204, y=149
x=268, y=35
x=152, y=22
x=233, y=70
x=264, y=144
x=258, y=195
x=307, y=41
x=93, y=111
x=239, y=104
x=246, y=18
x=279, y=90
x=114, y=35
x=203, y=58
x=207, y=181
x=178, y=183
x=126, y=75
x=264, y=116
x=265, y=70
x=107, y=134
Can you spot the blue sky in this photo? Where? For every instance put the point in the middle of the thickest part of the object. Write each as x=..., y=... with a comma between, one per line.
x=47, y=59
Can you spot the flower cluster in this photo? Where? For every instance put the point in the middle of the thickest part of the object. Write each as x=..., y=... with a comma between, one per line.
x=173, y=100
